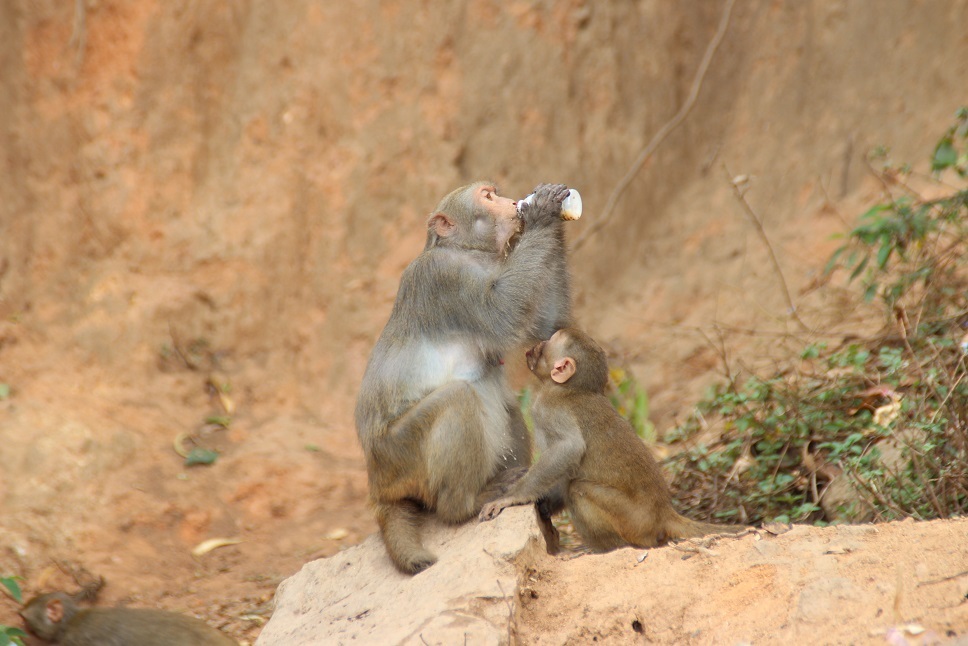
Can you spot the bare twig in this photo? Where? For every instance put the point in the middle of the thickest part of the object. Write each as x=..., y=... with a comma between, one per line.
x=758, y=226
x=860, y=483
x=951, y=390
x=663, y=132
x=78, y=33
x=720, y=349
x=944, y=578
x=694, y=549
x=845, y=175
x=510, y=611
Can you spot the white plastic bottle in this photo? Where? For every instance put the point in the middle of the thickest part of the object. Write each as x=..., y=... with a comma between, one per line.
x=570, y=206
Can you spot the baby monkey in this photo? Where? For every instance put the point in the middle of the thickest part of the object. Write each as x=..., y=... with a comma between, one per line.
x=591, y=461
x=56, y=617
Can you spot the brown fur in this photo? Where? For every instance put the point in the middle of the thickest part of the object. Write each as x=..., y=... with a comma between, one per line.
x=55, y=617
x=593, y=463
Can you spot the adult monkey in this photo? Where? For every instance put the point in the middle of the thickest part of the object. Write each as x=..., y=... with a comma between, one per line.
x=440, y=427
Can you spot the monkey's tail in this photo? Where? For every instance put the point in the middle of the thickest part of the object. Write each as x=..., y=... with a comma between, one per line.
x=681, y=527
x=400, y=527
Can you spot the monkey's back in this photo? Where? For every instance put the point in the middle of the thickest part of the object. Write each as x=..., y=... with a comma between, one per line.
x=618, y=496
x=615, y=455
x=139, y=627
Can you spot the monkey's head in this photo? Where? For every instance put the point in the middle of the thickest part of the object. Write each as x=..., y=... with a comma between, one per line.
x=44, y=615
x=474, y=217
x=572, y=359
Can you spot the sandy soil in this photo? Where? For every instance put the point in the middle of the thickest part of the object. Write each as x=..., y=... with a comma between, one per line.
x=894, y=583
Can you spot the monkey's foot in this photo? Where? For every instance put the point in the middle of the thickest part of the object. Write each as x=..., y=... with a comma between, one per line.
x=417, y=563
x=492, y=510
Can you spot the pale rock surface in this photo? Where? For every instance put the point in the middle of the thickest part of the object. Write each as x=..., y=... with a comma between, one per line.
x=358, y=597
x=892, y=583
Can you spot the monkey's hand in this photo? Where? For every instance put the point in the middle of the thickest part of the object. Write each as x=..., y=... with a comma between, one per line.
x=545, y=209
x=493, y=509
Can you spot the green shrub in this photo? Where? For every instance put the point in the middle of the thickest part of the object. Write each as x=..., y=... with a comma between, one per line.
x=890, y=412
x=8, y=634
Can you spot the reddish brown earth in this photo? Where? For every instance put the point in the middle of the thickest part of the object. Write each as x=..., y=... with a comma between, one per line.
x=227, y=192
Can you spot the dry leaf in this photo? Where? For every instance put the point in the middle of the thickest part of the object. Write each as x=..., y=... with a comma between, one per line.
x=777, y=528
x=213, y=543
x=179, y=444
x=884, y=415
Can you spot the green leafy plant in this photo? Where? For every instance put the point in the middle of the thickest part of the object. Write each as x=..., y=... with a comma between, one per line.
x=525, y=397
x=9, y=634
x=630, y=400
x=888, y=413
x=11, y=586
x=909, y=250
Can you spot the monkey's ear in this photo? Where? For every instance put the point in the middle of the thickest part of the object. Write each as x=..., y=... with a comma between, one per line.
x=55, y=611
x=563, y=370
x=442, y=225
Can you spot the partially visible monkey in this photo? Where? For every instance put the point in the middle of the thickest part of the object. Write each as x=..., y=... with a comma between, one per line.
x=56, y=617
x=440, y=428
x=591, y=461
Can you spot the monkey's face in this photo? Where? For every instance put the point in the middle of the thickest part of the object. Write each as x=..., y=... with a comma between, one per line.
x=497, y=214
x=534, y=355
x=545, y=357
x=474, y=217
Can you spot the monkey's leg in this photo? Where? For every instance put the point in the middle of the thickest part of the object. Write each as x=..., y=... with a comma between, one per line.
x=460, y=461
x=551, y=504
x=408, y=463
x=517, y=461
x=513, y=465
x=603, y=517
x=400, y=527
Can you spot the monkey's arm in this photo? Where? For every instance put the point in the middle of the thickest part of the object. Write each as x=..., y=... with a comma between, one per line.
x=553, y=302
x=548, y=476
x=495, y=302
x=539, y=262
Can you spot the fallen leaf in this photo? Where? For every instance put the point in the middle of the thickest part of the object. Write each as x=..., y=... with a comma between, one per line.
x=200, y=456
x=219, y=420
x=207, y=546
x=777, y=528
x=884, y=415
x=179, y=444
